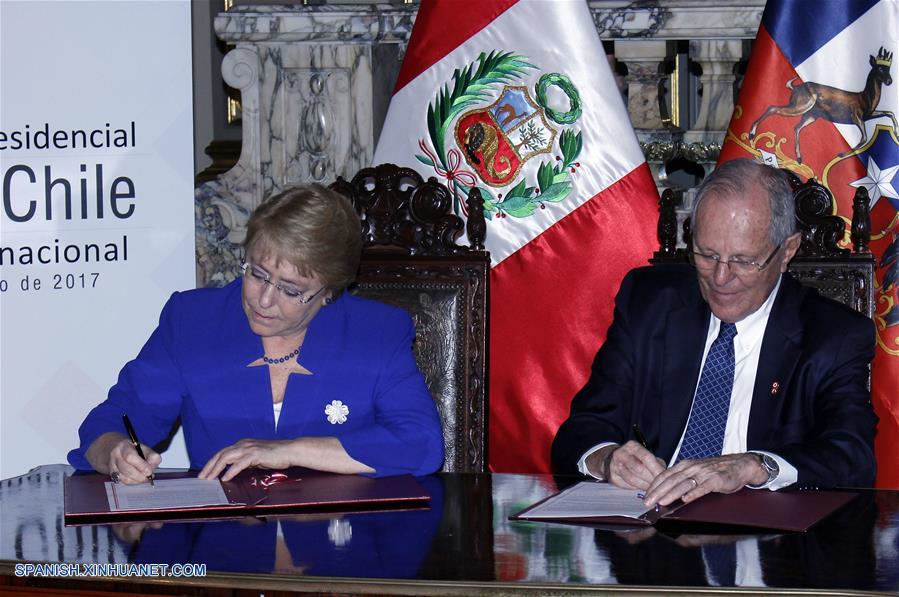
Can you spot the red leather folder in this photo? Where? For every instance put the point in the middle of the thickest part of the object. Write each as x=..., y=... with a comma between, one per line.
x=254, y=492
x=754, y=508
x=760, y=508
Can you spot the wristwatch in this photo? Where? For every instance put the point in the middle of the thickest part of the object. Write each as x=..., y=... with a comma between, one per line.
x=770, y=465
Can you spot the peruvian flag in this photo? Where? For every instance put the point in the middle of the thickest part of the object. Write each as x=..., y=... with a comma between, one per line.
x=809, y=73
x=517, y=99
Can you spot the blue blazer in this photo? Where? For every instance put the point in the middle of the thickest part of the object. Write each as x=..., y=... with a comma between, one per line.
x=194, y=367
x=819, y=419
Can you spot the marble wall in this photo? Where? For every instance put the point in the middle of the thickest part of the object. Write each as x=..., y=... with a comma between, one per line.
x=315, y=82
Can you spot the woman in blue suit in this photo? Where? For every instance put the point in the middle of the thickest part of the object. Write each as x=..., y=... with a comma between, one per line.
x=279, y=368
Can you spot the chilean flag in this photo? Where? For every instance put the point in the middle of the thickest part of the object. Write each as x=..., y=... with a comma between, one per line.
x=517, y=99
x=819, y=99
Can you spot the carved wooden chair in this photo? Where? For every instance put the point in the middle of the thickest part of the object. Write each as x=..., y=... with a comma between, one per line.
x=841, y=274
x=410, y=259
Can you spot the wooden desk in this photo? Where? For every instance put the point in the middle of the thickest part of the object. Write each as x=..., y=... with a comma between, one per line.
x=463, y=545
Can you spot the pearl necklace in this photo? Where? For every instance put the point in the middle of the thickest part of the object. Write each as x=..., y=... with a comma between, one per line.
x=283, y=359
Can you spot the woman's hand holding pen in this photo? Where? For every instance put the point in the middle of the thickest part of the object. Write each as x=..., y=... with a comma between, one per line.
x=131, y=467
x=113, y=452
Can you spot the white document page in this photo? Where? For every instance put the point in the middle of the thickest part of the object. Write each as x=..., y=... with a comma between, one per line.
x=166, y=494
x=589, y=498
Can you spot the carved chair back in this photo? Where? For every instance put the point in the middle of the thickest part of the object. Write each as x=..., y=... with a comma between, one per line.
x=842, y=274
x=411, y=260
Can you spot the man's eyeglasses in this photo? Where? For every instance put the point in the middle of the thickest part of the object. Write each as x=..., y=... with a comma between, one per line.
x=260, y=277
x=710, y=261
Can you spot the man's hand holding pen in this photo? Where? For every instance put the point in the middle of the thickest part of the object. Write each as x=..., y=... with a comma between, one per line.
x=630, y=465
x=633, y=466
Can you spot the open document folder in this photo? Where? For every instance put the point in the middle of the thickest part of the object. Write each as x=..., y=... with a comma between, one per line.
x=91, y=497
x=602, y=503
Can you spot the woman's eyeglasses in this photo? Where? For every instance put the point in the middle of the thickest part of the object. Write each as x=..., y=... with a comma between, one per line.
x=260, y=277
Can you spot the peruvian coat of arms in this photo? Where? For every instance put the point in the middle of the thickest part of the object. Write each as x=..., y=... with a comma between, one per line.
x=490, y=124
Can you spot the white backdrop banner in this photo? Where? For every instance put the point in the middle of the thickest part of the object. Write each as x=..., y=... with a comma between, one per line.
x=97, y=229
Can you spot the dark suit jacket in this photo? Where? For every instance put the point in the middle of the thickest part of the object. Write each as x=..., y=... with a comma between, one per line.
x=820, y=418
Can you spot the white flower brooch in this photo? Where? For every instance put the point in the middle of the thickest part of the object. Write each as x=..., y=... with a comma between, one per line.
x=340, y=532
x=337, y=412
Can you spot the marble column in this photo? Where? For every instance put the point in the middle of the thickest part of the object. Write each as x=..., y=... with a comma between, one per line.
x=718, y=60
x=313, y=81
x=643, y=59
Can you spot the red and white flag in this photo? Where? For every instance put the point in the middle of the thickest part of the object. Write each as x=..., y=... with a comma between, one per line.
x=517, y=99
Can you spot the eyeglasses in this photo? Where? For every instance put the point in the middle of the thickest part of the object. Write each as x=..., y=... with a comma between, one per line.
x=739, y=267
x=260, y=277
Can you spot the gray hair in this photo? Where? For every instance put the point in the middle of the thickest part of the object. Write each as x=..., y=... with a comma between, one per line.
x=731, y=180
x=314, y=229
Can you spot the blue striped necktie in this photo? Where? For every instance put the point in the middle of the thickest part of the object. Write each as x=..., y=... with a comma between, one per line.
x=708, y=417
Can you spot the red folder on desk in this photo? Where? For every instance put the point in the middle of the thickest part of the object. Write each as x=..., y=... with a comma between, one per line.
x=253, y=492
x=600, y=503
x=760, y=508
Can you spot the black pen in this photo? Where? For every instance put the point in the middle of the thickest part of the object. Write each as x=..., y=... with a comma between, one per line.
x=639, y=435
x=132, y=435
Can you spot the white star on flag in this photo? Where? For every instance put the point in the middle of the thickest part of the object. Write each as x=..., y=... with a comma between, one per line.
x=878, y=182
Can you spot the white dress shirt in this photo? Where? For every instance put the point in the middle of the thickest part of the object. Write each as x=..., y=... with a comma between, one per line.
x=747, y=349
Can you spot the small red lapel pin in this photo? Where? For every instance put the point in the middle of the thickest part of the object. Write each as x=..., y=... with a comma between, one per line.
x=775, y=388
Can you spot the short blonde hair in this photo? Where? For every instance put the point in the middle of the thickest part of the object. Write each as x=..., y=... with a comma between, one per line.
x=314, y=229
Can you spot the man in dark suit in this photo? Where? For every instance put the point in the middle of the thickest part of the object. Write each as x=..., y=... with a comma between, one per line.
x=731, y=372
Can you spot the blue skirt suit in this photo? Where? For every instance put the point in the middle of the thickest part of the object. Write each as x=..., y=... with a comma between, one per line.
x=194, y=366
